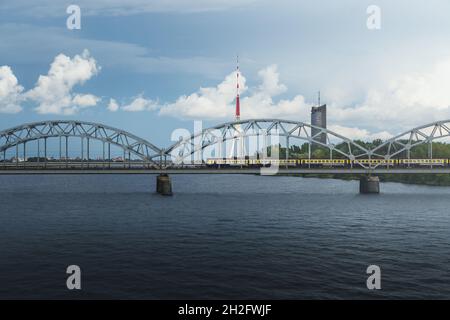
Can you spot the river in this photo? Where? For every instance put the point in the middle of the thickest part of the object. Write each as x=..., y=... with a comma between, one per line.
x=221, y=237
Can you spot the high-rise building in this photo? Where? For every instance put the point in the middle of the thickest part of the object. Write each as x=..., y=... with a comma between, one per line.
x=319, y=119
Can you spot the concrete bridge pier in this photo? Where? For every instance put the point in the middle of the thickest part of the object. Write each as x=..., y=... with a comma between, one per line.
x=369, y=184
x=164, y=184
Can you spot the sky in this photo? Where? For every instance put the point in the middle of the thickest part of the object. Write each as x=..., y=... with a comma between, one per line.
x=152, y=66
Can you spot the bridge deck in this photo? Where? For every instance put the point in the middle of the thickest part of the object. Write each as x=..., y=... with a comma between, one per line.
x=281, y=171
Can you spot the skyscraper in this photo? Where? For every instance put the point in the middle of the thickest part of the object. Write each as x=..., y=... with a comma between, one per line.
x=319, y=119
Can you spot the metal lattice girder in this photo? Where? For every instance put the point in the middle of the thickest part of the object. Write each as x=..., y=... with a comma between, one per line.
x=188, y=146
x=67, y=128
x=412, y=138
x=244, y=129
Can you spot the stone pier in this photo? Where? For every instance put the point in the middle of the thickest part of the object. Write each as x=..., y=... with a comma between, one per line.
x=369, y=184
x=164, y=184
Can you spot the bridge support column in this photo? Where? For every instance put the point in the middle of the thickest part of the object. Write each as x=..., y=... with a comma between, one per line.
x=369, y=184
x=164, y=184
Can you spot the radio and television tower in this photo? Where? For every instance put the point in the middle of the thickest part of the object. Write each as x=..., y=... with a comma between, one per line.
x=238, y=145
x=238, y=107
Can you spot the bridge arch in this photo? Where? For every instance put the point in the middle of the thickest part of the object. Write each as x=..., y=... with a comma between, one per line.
x=407, y=140
x=288, y=129
x=141, y=148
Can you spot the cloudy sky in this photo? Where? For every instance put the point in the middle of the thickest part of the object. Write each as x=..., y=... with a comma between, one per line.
x=152, y=66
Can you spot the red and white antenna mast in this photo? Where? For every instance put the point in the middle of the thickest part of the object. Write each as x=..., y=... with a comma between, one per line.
x=238, y=106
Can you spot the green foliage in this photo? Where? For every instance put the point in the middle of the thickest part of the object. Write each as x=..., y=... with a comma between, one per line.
x=439, y=150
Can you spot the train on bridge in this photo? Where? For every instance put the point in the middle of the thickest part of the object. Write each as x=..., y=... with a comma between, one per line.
x=326, y=163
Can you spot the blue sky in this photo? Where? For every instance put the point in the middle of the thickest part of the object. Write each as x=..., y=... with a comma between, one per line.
x=375, y=82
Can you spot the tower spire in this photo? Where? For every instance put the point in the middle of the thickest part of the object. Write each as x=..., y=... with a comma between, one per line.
x=238, y=107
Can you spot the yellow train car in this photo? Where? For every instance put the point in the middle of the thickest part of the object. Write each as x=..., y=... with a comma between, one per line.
x=251, y=162
x=325, y=162
x=424, y=162
x=375, y=162
x=279, y=162
x=215, y=161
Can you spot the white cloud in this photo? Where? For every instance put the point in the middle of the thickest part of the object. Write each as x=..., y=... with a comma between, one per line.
x=53, y=92
x=10, y=91
x=85, y=100
x=260, y=103
x=406, y=101
x=207, y=103
x=271, y=81
x=113, y=106
x=140, y=104
x=218, y=102
x=359, y=134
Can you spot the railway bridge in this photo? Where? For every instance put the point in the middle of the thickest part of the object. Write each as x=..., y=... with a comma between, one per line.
x=255, y=146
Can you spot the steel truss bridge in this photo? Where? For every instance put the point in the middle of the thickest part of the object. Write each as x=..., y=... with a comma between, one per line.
x=237, y=140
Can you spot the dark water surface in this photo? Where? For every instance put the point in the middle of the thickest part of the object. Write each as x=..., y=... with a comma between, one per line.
x=221, y=236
